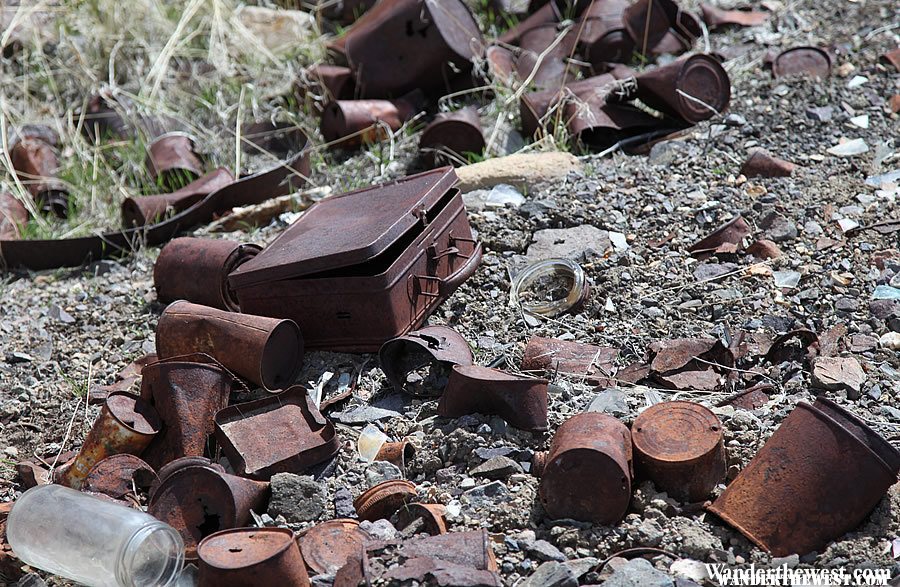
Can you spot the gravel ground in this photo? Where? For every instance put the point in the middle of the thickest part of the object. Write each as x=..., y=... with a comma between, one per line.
x=64, y=331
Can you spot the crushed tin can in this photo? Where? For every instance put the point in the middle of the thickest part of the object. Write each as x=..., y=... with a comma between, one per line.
x=402, y=45
x=199, y=500
x=172, y=159
x=117, y=476
x=692, y=89
x=586, y=474
x=815, y=479
x=440, y=347
x=349, y=124
x=761, y=163
x=36, y=165
x=679, y=446
x=283, y=433
x=13, y=216
x=384, y=500
x=197, y=269
x=353, y=283
x=521, y=401
x=144, y=210
x=568, y=358
x=247, y=557
x=451, y=137
x=427, y=517
x=126, y=424
x=806, y=61
x=186, y=393
x=326, y=547
x=266, y=351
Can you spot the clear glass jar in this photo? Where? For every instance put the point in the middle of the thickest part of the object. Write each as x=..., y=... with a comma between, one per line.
x=93, y=541
x=550, y=287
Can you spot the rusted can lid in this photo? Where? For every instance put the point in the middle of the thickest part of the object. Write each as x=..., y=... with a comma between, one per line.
x=327, y=547
x=676, y=432
x=251, y=556
x=810, y=61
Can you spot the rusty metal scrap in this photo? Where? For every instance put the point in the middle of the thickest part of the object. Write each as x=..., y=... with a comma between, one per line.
x=186, y=393
x=144, y=210
x=402, y=45
x=816, y=478
x=813, y=62
x=172, y=159
x=246, y=557
x=679, y=446
x=327, y=547
x=265, y=351
x=761, y=163
x=350, y=123
x=199, y=500
x=276, y=434
x=126, y=424
x=33, y=157
x=427, y=517
x=568, y=358
x=384, y=500
x=470, y=549
x=196, y=270
x=586, y=474
x=436, y=345
x=352, y=285
x=716, y=17
x=728, y=238
x=442, y=573
x=118, y=476
x=521, y=401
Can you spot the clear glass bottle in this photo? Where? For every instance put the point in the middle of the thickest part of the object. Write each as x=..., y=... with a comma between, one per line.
x=93, y=541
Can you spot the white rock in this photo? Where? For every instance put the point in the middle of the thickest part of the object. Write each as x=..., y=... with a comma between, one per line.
x=849, y=148
x=861, y=121
x=891, y=340
x=856, y=81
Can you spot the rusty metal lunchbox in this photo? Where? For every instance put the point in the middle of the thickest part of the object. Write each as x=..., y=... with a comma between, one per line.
x=361, y=268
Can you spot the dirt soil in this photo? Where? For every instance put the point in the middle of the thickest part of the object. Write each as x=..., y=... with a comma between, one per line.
x=64, y=331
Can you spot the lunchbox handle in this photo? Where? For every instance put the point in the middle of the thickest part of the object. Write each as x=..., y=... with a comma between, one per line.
x=446, y=285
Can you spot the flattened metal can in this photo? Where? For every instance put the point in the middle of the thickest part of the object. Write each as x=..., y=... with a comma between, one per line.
x=586, y=474
x=813, y=62
x=327, y=547
x=816, y=478
x=521, y=401
x=679, y=446
x=265, y=351
x=249, y=557
x=172, y=160
x=440, y=345
x=197, y=269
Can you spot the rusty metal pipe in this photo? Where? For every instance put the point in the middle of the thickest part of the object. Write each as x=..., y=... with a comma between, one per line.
x=247, y=557
x=586, y=474
x=196, y=270
x=186, y=392
x=265, y=351
x=816, y=478
x=679, y=446
x=126, y=424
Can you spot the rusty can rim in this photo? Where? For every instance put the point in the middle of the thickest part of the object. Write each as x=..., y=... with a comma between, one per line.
x=381, y=493
x=288, y=543
x=651, y=415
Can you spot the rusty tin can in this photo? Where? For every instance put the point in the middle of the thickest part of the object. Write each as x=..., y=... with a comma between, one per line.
x=586, y=474
x=402, y=45
x=117, y=476
x=143, y=210
x=761, y=163
x=430, y=515
x=196, y=270
x=248, y=557
x=36, y=165
x=451, y=136
x=384, y=500
x=816, y=478
x=265, y=351
x=186, y=393
x=397, y=453
x=440, y=346
x=351, y=123
x=679, y=446
x=200, y=500
x=809, y=61
x=353, y=281
x=283, y=433
x=172, y=160
x=126, y=424
x=327, y=547
x=521, y=401
x=692, y=89
x=13, y=216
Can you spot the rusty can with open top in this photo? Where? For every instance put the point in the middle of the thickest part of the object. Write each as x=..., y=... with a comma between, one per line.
x=361, y=268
